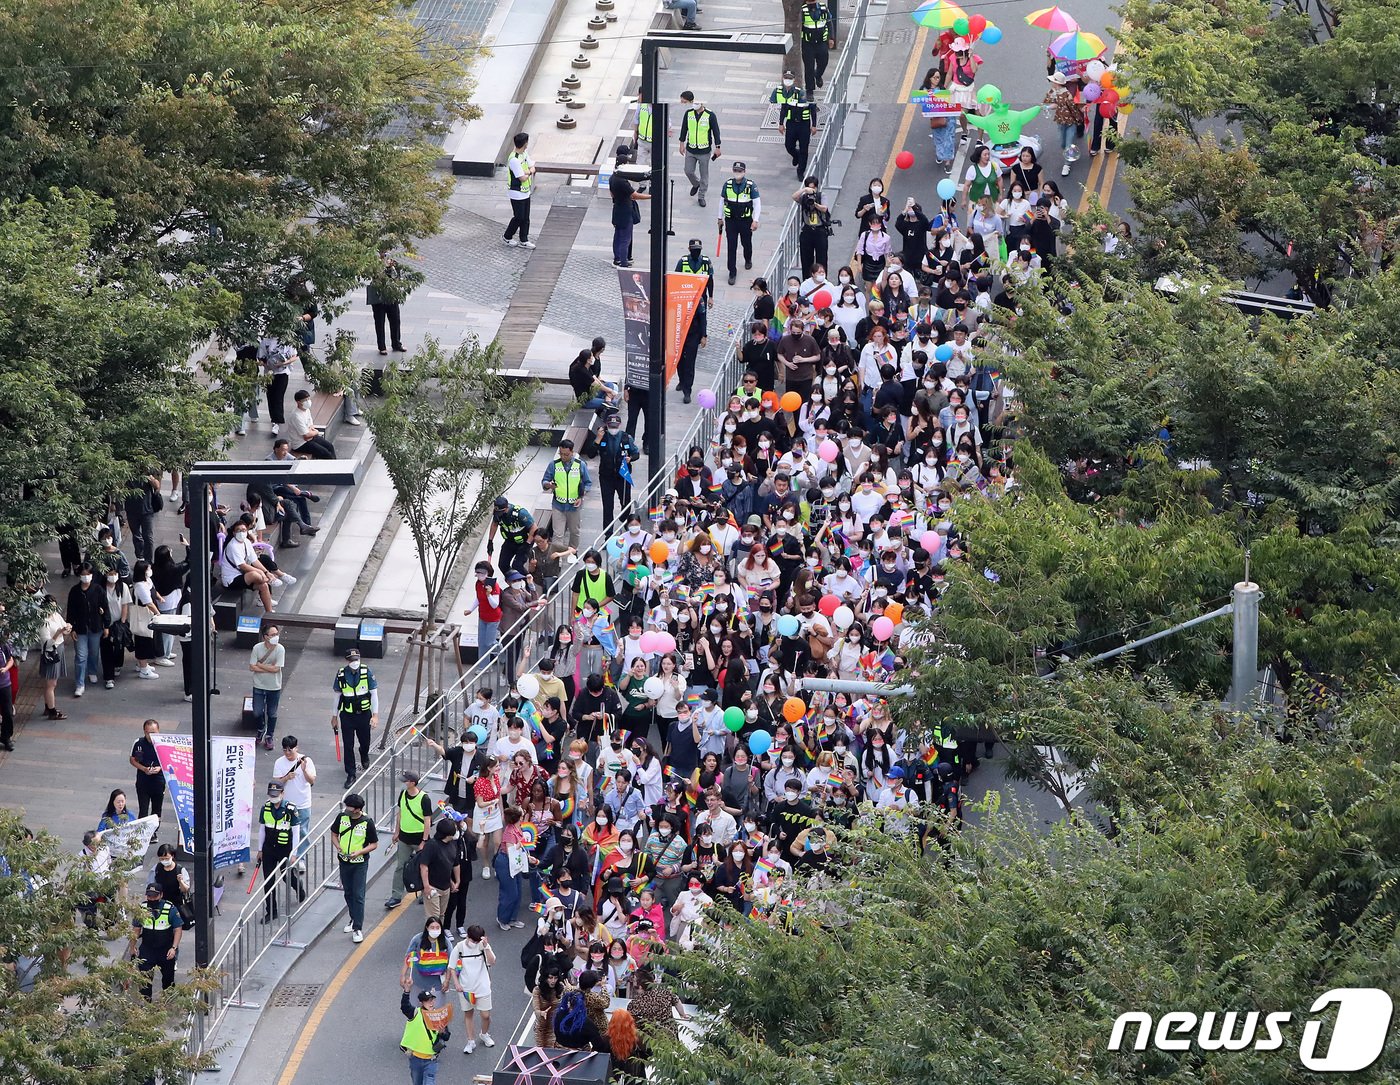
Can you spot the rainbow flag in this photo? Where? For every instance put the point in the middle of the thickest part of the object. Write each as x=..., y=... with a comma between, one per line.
x=530, y=833
x=656, y=513
x=693, y=700
x=704, y=593
x=835, y=779
x=566, y=806
x=901, y=518
x=764, y=867
x=930, y=755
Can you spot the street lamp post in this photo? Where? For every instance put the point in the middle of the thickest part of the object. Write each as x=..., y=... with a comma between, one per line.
x=200, y=478
x=652, y=44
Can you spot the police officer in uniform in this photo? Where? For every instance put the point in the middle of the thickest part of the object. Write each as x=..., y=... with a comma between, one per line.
x=699, y=143
x=279, y=831
x=695, y=262
x=818, y=39
x=155, y=939
x=355, y=837
x=784, y=94
x=516, y=525
x=742, y=207
x=616, y=454
x=797, y=122
x=357, y=711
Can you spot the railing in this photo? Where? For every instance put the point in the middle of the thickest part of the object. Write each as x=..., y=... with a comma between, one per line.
x=249, y=940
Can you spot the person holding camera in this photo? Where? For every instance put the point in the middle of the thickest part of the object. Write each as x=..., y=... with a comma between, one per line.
x=625, y=212
x=425, y=1036
x=816, y=226
x=296, y=773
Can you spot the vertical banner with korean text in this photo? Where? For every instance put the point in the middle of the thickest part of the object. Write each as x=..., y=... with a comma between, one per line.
x=176, y=753
x=636, y=319
x=684, y=295
x=231, y=762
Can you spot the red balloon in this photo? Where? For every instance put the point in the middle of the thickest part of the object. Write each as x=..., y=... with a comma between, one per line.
x=976, y=24
x=1106, y=111
x=822, y=299
x=828, y=604
x=904, y=159
x=1109, y=97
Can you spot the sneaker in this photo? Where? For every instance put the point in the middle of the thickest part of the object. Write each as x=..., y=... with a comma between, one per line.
x=147, y=673
x=267, y=744
x=163, y=661
x=353, y=422
x=109, y=684
x=461, y=932
x=693, y=190
x=393, y=902
x=349, y=928
x=486, y=873
x=512, y=243
x=469, y=1048
x=517, y=924
x=358, y=936
x=275, y=429
x=503, y=926
x=287, y=578
x=78, y=692
x=240, y=433
x=174, y=495
x=1064, y=170
x=486, y=1040
x=702, y=201
x=189, y=697
x=527, y=244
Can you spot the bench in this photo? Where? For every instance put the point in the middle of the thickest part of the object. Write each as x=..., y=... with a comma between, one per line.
x=522, y=374
x=568, y=169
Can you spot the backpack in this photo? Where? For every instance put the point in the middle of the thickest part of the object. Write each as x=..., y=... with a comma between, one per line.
x=411, y=881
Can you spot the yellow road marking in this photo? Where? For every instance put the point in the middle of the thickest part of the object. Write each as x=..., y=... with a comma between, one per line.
x=1111, y=167
x=1095, y=169
x=1102, y=169
x=332, y=992
x=910, y=74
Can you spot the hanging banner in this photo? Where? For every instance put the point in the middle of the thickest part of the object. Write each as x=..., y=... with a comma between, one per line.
x=636, y=319
x=176, y=753
x=685, y=293
x=231, y=761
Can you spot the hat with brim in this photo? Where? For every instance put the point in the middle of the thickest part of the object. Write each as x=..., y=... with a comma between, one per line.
x=1058, y=78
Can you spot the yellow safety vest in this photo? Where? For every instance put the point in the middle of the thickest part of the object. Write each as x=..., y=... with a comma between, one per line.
x=350, y=836
x=354, y=698
x=418, y=1037
x=697, y=130
x=281, y=826
x=810, y=24
x=644, y=123
x=411, y=812
x=738, y=198
x=514, y=183
x=593, y=588
x=568, y=481
x=158, y=921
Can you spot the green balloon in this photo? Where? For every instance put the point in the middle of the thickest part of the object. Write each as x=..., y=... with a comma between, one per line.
x=734, y=718
x=961, y=27
x=990, y=94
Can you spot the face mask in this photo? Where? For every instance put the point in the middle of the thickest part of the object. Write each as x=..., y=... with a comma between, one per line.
x=624, y=846
x=694, y=251
x=875, y=190
x=665, y=831
x=765, y=444
x=602, y=820
x=240, y=535
x=112, y=580
x=845, y=277
x=716, y=629
x=669, y=536
x=434, y=932
x=938, y=441
x=167, y=862
x=730, y=427
x=706, y=549
x=787, y=762
x=750, y=826
x=845, y=506
x=273, y=641
x=787, y=82
x=591, y=566
x=614, y=429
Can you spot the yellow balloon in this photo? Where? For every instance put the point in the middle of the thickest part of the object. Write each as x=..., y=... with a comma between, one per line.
x=1126, y=108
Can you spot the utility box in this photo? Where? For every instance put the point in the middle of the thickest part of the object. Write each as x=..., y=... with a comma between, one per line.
x=248, y=631
x=372, y=639
x=347, y=635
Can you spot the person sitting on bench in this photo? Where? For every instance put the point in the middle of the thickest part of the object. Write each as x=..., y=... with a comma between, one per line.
x=303, y=428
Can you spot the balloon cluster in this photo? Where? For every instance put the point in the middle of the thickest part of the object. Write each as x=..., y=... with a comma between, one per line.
x=1103, y=88
x=973, y=27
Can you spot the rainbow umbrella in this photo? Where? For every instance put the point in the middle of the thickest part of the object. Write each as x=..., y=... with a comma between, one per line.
x=1077, y=45
x=938, y=14
x=1052, y=19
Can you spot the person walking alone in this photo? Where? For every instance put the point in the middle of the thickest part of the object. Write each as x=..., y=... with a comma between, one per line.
x=520, y=182
x=357, y=711
x=355, y=837
x=699, y=143
x=516, y=525
x=425, y=1035
x=567, y=481
x=266, y=662
x=818, y=39
x=742, y=207
x=277, y=838
x=617, y=452
x=625, y=212
x=413, y=816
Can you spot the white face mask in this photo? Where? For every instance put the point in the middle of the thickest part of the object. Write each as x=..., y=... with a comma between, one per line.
x=787, y=762
x=875, y=190
x=86, y=578
x=112, y=579
x=273, y=641
x=624, y=846
x=591, y=566
x=434, y=932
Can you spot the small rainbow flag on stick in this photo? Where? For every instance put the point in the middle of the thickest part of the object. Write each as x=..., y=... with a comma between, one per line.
x=530, y=833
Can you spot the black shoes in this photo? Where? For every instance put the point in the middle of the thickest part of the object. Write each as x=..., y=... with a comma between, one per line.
x=732, y=277
x=693, y=190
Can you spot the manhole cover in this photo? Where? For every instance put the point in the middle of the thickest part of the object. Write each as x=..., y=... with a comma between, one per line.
x=295, y=994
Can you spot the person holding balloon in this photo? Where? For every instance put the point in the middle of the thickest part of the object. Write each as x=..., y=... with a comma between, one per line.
x=1106, y=106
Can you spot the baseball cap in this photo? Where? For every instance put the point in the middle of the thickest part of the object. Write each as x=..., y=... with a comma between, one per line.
x=740, y=167
x=353, y=653
x=514, y=576
x=502, y=503
x=408, y=775
x=895, y=773
x=154, y=889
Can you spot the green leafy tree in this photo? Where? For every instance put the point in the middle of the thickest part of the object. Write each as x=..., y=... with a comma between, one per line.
x=81, y=1022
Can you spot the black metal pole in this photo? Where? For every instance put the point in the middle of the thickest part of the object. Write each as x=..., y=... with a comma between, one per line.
x=202, y=844
x=660, y=206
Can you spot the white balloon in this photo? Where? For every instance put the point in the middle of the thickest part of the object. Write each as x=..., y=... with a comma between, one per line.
x=528, y=686
x=653, y=687
x=843, y=617
x=1094, y=69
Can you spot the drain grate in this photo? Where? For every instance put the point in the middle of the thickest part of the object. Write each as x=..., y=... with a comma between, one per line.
x=295, y=994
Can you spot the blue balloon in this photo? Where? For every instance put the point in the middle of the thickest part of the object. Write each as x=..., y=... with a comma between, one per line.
x=947, y=189
x=944, y=353
x=788, y=625
x=992, y=35
x=760, y=742
x=478, y=732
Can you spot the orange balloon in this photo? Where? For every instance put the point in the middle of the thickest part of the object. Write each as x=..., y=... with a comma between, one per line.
x=895, y=612
x=794, y=708
x=791, y=402
x=659, y=551
x=1107, y=79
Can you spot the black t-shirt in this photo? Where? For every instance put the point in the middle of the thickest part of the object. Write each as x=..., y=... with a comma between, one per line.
x=621, y=189
x=440, y=859
x=144, y=751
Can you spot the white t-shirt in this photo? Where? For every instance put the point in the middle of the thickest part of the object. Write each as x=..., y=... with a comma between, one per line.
x=297, y=790
x=505, y=749
x=865, y=505
x=519, y=164
x=302, y=423
x=236, y=552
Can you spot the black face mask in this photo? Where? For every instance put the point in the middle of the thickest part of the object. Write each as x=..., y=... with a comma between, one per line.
x=695, y=254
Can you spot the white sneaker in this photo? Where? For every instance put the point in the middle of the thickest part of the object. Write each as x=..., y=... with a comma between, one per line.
x=525, y=245
x=358, y=936
x=189, y=697
x=288, y=578
x=147, y=672
x=163, y=661
x=354, y=422
x=486, y=873
x=109, y=684
x=511, y=243
x=469, y=1048
x=1064, y=170
x=174, y=495
x=275, y=429
x=78, y=692
x=349, y=928
x=486, y=1040
x=461, y=932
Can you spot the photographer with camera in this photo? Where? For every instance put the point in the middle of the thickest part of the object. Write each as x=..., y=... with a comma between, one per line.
x=816, y=225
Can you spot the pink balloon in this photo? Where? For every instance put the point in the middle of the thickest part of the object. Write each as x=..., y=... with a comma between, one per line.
x=883, y=628
x=828, y=451
x=705, y=398
x=930, y=541
x=648, y=641
x=665, y=643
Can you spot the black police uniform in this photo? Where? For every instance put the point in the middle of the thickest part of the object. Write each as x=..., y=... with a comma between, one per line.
x=738, y=196
x=277, y=822
x=515, y=524
x=695, y=262
x=616, y=453
x=156, y=925
x=355, y=710
x=818, y=27
x=797, y=119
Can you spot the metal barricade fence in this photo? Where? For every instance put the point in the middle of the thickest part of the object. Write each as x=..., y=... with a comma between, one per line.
x=249, y=940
